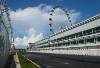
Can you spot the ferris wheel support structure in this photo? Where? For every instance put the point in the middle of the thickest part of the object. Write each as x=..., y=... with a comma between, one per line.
x=52, y=12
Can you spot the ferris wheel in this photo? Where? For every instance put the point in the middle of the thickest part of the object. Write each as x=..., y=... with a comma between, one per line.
x=52, y=13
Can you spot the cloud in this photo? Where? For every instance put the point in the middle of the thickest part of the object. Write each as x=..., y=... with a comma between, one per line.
x=31, y=24
x=32, y=36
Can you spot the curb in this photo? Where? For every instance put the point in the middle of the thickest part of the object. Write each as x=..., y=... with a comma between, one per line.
x=16, y=59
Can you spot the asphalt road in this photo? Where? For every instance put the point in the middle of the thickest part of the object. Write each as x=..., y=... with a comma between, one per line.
x=54, y=62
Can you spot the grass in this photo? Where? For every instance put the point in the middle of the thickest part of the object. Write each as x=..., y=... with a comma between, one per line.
x=24, y=62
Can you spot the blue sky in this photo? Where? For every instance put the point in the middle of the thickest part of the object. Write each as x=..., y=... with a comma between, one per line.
x=86, y=7
x=30, y=17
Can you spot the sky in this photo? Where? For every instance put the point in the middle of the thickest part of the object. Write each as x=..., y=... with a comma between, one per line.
x=29, y=18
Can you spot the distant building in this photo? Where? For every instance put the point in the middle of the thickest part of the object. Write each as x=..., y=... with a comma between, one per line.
x=20, y=50
x=80, y=39
x=31, y=45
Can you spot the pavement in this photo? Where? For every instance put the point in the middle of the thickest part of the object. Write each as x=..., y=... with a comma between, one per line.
x=54, y=62
x=17, y=63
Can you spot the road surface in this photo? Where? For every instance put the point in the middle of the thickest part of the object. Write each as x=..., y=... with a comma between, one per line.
x=54, y=62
